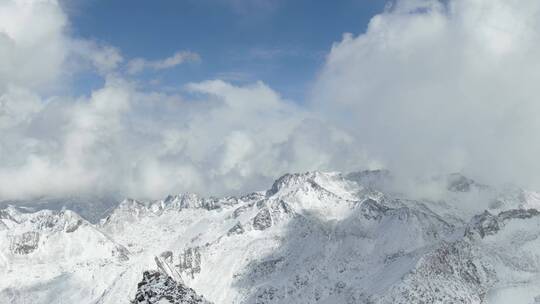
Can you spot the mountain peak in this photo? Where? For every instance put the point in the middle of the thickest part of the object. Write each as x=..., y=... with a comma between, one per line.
x=313, y=237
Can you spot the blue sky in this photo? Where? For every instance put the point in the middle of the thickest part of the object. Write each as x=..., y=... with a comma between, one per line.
x=282, y=43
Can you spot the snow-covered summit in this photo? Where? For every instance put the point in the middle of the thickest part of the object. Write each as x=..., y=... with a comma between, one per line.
x=313, y=237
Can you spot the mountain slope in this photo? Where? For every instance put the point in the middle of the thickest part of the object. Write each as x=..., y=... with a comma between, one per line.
x=311, y=238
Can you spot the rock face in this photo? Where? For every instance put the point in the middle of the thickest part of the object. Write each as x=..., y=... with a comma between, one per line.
x=236, y=229
x=190, y=261
x=158, y=288
x=488, y=224
x=452, y=273
x=24, y=243
x=262, y=220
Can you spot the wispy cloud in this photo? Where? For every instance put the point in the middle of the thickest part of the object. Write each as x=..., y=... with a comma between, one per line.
x=138, y=65
x=236, y=76
x=251, y=7
x=272, y=53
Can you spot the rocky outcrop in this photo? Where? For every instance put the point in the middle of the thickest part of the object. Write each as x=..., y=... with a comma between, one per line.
x=271, y=212
x=452, y=273
x=157, y=287
x=236, y=229
x=24, y=243
x=262, y=220
x=72, y=226
x=313, y=238
x=372, y=210
x=483, y=224
x=190, y=261
x=488, y=224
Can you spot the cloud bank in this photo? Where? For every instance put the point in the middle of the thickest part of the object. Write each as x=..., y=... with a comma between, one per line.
x=442, y=86
x=431, y=87
x=212, y=138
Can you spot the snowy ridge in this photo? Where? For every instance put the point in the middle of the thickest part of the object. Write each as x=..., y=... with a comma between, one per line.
x=313, y=237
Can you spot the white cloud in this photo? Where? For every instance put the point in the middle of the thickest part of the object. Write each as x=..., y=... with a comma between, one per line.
x=429, y=88
x=442, y=86
x=225, y=139
x=36, y=51
x=52, y=147
x=17, y=106
x=32, y=45
x=105, y=59
x=138, y=65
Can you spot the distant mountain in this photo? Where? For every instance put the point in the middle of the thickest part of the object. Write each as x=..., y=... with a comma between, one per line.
x=91, y=207
x=313, y=237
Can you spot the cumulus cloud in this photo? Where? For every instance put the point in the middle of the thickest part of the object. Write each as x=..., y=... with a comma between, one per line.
x=442, y=86
x=224, y=139
x=32, y=45
x=138, y=65
x=214, y=138
x=431, y=87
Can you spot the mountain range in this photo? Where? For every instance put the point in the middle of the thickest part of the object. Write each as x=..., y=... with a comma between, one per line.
x=314, y=237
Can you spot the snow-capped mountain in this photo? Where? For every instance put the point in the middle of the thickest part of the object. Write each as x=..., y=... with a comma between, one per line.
x=91, y=207
x=311, y=238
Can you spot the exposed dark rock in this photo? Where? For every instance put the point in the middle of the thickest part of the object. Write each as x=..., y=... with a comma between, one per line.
x=518, y=214
x=262, y=220
x=167, y=256
x=121, y=253
x=157, y=287
x=4, y=214
x=279, y=183
x=271, y=212
x=483, y=224
x=71, y=227
x=453, y=273
x=488, y=224
x=190, y=261
x=372, y=210
x=24, y=243
x=236, y=229
x=238, y=211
